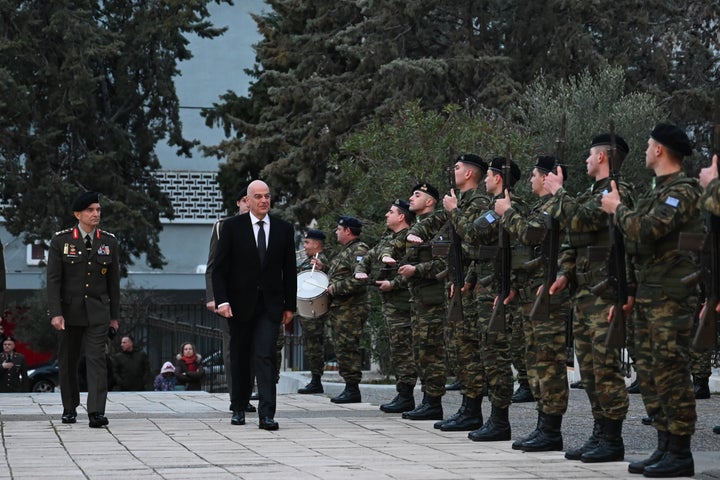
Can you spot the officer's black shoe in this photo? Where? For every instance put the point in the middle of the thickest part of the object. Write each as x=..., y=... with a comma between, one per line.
x=456, y=385
x=69, y=417
x=238, y=418
x=315, y=386
x=590, y=443
x=97, y=420
x=430, y=409
x=516, y=445
x=646, y=421
x=701, y=388
x=677, y=462
x=523, y=394
x=351, y=394
x=548, y=439
x=454, y=416
x=402, y=402
x=250, y=408
x=634, y=387
x=610, y=444
x=656, y=456
x=496, y=429
x=577, y=384
x=716, y=429
x=469, y=419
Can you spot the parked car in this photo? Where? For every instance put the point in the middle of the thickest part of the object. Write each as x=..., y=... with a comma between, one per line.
x=44, y=378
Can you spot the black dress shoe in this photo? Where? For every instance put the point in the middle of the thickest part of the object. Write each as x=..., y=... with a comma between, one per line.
x=268, y=423
x=98, y=420
x=250, y=408
x=238, y=418
x=69, y=417
x=254, y=396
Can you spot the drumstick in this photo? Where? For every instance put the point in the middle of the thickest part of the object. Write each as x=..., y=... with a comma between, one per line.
x=312, y=270
x=308, y=282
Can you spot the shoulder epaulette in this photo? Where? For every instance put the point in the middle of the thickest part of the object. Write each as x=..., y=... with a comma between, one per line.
x=61, y=232
x=105, y=232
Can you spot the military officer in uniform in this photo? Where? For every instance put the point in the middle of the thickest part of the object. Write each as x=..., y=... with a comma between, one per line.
x=83, y=287
x=313, y=329
x=663, y=305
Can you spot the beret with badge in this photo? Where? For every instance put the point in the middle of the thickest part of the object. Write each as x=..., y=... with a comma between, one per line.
x=427, y=188
x=349, y=222
x=84, y=200
x=315, y=235
x=475, y=160
x=606, y=139
x=547, y=163
x=497, y=164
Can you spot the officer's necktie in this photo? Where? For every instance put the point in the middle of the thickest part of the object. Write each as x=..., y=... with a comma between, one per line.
x=261, y=241
x=88, y=242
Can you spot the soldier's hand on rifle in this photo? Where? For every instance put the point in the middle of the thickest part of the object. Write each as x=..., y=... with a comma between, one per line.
x=511, y=296
x=627, y=308
x=384, y=285
x=708, y=174
x=467, y=286
x=450, y=201
x=553, y=181
x=558, y=285
x=611, y=199
x=502, y=205
x=407, y=271
x=361, y=276
x=414, y=239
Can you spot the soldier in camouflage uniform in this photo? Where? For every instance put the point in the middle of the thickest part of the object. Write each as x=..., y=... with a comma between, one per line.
x=348, y=306
x=587, y=227
x=461, y=211
x=428, y=307
x=544, y=337
x=395, y=303
x=664, y=306
x=313, y=329
x=494, y=346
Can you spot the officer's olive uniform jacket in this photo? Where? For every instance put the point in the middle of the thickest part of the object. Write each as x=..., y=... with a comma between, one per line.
x=85, y=289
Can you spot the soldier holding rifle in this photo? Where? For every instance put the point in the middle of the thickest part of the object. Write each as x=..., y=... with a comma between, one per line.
x=663, y=305
x=545, y=315
x=395, y=303
x=584, y=265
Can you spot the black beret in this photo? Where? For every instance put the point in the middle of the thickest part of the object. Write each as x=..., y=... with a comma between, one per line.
x=241, y=194
x=472, y=159
x=606, y=139
x=402, y=205
x=427, y=188
x=315, y=235
x=547, y=163
x=673, y=138
x=497, y=164
x=84, y=200
x=349, y=222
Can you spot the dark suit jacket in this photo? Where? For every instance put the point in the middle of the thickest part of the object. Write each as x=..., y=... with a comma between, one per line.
x=238, y=277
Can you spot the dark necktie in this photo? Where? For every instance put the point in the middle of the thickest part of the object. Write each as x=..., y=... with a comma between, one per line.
x=261, y=241
x=88, y=242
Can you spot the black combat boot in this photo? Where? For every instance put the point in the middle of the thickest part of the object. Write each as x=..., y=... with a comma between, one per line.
x=455, y=415
x=590, y=443
x=351, y=394
x=403, y=402
x=315, y=386
x=677, y=462
x=549, y=439
x=656, y=456
x=470, y=419
x=701, y=388
x=523, y=394
x=516, y=445
x=610, y=446
x=634, y=387
x=430, y=409
x=496, y=429
x=716, y=429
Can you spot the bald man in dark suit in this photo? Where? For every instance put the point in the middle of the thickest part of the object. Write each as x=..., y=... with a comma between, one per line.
x=255, y=288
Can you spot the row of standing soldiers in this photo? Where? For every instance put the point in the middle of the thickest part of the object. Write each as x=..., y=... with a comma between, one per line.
x=409, y=272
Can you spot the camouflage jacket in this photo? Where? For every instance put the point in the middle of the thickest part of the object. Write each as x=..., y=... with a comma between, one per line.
x=341, y=272
x=710, y=200
x=306, y=265
x=652, y=229
x=377, y=270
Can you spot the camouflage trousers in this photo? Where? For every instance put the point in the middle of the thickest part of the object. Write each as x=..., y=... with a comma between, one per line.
x=599, y=366
x=348, y=319
x=545, y=355
x=452, y=343
x=517, y=344
x=313, y=334
x=470, y=369
x=700, y=363
x=400, y=339
x=495, y=354
x=662, y=348
x=429, y=346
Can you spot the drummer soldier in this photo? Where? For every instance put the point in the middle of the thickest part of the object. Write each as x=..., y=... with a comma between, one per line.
x=313, y=328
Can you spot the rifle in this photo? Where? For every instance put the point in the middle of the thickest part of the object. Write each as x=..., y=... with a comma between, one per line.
x=551, y=244
x=454, y=259
x=616, y=267
x=706, y=333
x=504, y=264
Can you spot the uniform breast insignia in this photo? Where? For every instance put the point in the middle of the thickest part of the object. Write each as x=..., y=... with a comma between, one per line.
x=103, y=271
x=103, y=250
x=70, y=250
x=358, y=258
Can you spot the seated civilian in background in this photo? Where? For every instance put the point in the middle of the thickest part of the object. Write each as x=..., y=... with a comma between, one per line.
x=188, y=369
x=166, y=380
